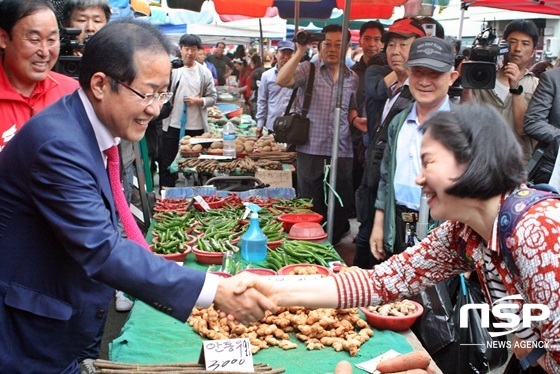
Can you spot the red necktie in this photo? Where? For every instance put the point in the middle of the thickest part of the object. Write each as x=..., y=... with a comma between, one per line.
x=129, y=223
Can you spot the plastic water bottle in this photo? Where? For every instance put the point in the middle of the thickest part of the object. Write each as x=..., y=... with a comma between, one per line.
x=229, y=136
x=253, y=242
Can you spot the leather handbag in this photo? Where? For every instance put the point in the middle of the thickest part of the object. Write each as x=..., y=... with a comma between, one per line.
x=293, y=128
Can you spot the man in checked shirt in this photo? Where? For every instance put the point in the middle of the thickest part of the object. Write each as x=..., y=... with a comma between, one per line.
x=316, y=153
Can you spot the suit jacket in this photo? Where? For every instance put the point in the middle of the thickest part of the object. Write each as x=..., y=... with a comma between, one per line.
x=60, y=251
x=376, y=95
x=542, y=118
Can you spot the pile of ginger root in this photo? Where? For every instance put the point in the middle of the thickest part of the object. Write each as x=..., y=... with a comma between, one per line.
x=340, y=329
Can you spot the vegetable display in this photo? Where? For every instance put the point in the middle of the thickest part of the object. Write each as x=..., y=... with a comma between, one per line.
x=396, y=309
x=317, y=328
x=403, y=363
x=300, y=252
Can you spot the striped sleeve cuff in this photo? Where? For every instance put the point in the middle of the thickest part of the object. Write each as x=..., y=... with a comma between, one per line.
x=354, y=289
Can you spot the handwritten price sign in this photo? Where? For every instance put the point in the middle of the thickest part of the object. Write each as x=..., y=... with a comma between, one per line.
x=228, y=355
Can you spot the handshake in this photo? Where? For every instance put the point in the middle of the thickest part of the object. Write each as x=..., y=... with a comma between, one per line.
x=245, y=297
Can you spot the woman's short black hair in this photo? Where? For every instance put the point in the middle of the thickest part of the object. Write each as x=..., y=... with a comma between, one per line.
x=112, y=49
x=11, y=11
x=479, y=138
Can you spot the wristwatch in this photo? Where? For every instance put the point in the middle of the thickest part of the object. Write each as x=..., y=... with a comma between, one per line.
x=531, y=358
x=516, y=91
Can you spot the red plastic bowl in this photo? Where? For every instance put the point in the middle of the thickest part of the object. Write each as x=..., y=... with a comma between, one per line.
x=318, y=239
x=234, y=113
x=393, y=323
x=302, y=230
x=286, y=270
x=310, y=231
x=275, y=243
x=259, y=271
x=175, y=256
x=289, y=219
x=208, y=258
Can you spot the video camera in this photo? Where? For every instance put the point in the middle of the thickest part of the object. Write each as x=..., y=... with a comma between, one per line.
x=69, y=64
x=480, y=71
x=306, y=37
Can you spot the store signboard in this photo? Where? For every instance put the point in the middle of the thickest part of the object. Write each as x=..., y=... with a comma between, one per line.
x=275, y=178
x=227, y=355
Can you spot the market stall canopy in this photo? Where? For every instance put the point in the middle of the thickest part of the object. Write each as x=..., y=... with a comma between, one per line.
x=531, y=6
x=314, y=9
x=274, y=28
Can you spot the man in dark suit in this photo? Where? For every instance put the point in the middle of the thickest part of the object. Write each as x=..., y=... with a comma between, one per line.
x=60, y=249
x=387, y=94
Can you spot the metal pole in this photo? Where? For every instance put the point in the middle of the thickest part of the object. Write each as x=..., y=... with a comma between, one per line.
x=461, y=20
x=337, y=114
x=261, y=41
x=296, y=17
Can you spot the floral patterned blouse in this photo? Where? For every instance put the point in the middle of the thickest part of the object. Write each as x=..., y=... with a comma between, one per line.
x=454, y=248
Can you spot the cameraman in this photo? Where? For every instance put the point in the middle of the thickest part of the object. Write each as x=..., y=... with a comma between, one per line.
x=514, y=82
x=86, y=15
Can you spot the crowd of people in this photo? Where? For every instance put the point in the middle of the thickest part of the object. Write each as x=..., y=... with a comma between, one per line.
x=401, y=136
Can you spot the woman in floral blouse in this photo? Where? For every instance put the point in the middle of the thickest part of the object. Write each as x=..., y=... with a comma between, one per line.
x=471, y=163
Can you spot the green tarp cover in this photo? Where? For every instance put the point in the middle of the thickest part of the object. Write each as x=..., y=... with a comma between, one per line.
x=151, y=337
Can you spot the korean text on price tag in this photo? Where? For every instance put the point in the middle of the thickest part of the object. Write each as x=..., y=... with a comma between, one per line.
x=228, y=355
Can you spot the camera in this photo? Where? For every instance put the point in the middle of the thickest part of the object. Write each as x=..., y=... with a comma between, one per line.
x=306, y=37
x=176, y=63
x=480, y=71
x=67, y=63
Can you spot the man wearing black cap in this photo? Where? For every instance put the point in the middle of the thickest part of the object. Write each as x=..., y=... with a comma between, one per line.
x=431, y=72
x=387, y=94
x=272, y=98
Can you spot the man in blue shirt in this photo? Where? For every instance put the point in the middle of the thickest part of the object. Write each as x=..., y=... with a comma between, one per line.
x=430, y=70
x=273, y=99
x=201, y=58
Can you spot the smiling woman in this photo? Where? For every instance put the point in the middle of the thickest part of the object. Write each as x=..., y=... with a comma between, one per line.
x=472, y=171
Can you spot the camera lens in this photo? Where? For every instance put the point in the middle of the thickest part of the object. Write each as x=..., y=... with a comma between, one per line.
x=478, y=75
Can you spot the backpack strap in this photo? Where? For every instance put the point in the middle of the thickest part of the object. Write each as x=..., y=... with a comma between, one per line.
x=512, y=209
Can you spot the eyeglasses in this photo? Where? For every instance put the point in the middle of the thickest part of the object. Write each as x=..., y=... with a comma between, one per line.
x=147, y=99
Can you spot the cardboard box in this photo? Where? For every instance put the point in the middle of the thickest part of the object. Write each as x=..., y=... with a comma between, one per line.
x=275, y=178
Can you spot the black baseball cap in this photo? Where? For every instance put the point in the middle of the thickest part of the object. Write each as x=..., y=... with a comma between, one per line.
x=431, y=52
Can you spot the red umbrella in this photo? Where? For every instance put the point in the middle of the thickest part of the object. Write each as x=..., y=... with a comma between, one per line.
x=531, y=6
x=322, y=9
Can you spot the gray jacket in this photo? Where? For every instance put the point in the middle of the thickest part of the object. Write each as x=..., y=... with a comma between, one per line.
x=542, y=119
x=207, y=93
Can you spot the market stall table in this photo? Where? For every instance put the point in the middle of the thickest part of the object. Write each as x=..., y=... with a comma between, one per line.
x=150, y=337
